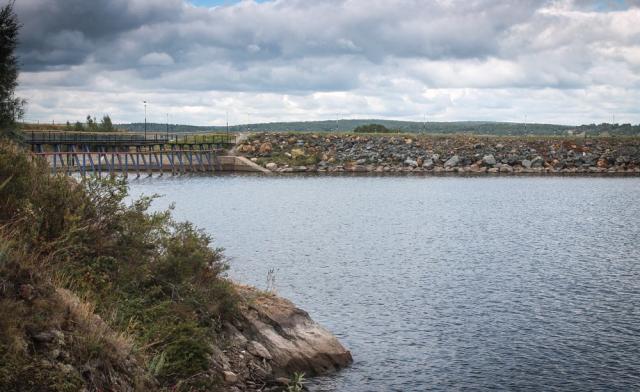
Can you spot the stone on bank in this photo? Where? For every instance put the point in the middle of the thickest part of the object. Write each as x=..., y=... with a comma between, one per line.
x=271, y=339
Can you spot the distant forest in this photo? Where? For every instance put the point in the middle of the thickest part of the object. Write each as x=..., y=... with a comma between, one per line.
x=472, y=127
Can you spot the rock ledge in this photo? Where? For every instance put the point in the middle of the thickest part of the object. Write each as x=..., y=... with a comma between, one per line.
x=271, y=339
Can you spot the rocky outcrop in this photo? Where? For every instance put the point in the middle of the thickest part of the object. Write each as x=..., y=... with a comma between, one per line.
x=337, y=153
x=270, y=340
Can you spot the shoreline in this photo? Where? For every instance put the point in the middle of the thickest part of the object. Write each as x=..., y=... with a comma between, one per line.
x=465, y=155
x=398, y=174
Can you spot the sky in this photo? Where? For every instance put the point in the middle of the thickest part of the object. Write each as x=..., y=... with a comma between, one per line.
x=203, y=61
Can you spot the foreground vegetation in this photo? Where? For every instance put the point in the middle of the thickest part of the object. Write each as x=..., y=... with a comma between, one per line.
x=70, y=252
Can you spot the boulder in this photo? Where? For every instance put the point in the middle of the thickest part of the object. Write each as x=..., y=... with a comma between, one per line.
x=288, y=338
x=428, y=164
x=537, y=161
x=622, y=159
x=452, y=162
x=272, y=166
x=489, y=160
x=410, y=162
x=602, y=163
x=505, y=168
x=247, y=148
x=526, y=164
x=265, y=148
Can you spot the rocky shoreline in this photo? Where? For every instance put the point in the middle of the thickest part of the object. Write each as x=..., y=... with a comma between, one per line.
x=426, y=154
x=270, y=340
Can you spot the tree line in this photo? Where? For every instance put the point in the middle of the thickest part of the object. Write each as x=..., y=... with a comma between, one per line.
x=92, y=125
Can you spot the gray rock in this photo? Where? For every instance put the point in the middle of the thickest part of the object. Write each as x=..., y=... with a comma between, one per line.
x=272, y=166
x=258, y=350
x=622, y=159
x=489, y=160
x=526, y=164
x=453, y=161
x=537, y=161
x=505, y=168
x=411, y=162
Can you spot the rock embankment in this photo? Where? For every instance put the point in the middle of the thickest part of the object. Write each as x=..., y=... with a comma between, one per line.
x=322, y=153
x=270, y=340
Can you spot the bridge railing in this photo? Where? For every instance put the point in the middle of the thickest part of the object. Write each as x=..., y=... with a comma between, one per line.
x=53, y=137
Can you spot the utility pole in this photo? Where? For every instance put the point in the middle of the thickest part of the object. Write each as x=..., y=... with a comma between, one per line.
x=167, y=126
x=227, y=124
x=145, y=120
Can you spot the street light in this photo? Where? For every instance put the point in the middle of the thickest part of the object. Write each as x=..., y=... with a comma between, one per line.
x=145, y=120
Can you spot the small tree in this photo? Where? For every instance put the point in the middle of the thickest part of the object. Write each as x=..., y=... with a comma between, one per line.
x=78, y=127
x=11, y=107
x=106, y=125
x=92, y=125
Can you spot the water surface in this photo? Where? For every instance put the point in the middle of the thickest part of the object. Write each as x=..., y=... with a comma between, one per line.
x=442, y=283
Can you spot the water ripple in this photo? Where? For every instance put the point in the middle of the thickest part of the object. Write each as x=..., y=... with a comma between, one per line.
x=443, y=283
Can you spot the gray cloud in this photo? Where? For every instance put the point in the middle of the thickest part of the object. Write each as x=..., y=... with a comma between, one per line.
x=62, y=33
x=374, y=54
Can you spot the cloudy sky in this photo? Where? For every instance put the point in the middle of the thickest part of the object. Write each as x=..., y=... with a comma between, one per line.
x=560, y=61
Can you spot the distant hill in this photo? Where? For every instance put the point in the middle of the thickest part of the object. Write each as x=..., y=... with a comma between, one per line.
x=474, y=127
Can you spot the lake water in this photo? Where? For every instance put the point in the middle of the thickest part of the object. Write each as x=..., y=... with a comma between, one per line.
x=441, y=283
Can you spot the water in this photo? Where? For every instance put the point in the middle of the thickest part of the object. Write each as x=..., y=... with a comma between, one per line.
x=523, y=283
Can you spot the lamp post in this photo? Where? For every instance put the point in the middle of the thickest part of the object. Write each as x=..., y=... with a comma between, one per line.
x=145, y=120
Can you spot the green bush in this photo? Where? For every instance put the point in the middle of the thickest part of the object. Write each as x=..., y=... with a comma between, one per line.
x=373, y=128
x=151, y=277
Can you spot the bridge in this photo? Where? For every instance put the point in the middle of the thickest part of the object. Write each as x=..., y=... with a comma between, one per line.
x=124, y=153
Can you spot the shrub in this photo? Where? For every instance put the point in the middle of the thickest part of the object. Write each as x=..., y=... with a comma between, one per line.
x=373, y=128
x=158, y=280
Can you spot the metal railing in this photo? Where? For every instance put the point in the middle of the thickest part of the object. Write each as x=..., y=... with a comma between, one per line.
x=53, y=137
